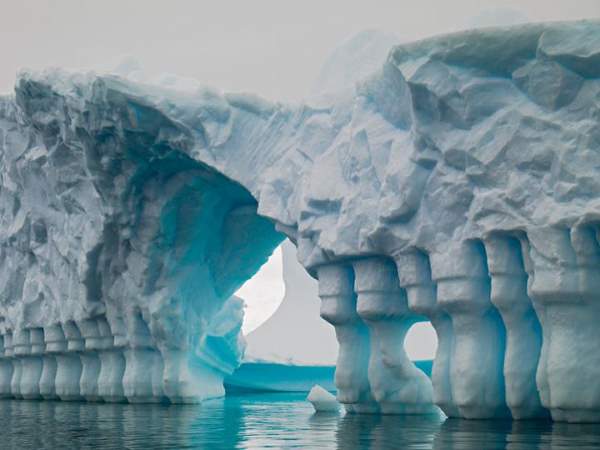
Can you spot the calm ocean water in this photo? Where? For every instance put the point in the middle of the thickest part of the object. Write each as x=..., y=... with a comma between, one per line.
x=263, y=421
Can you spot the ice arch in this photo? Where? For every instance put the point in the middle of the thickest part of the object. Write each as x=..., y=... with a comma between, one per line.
x=458, y=182
x=127, y=253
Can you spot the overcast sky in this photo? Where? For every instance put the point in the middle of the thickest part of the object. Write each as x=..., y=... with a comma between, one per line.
x=271, y=47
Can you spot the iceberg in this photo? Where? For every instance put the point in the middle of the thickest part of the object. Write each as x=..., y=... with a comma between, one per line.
x=119, y=254
x=456, y=183
x=264, y=376
x=322, y=400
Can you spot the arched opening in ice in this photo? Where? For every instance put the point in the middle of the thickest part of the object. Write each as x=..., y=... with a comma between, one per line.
x=196, y=239
x=294, y=333
x=263, y=293
x=136, y=252
x=421, y=342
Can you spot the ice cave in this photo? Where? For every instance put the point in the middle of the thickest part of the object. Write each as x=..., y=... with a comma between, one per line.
x=457, y=183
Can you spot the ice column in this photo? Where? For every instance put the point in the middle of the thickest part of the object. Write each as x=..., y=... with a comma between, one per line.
x=6, y=367
x=186, y=382
x=68, y=364
x=523, y=331
x=90, y=361
x=21, y=347
x=140, y=382
x=476, y=363
x=32, y=364
x=414, y=272
x=338, y=307
x=178, y=388
x=55, y=344
x=397, y=385
x=9, y=355
x=157, y=368
x=565, y=289
x=112, y=360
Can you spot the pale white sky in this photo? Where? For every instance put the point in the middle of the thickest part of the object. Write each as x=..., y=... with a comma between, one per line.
x=272, y=47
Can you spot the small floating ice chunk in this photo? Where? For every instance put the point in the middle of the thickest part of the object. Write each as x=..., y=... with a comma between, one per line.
x=322, y=400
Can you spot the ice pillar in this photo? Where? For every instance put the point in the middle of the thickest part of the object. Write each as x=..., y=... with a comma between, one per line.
x=21, y=347
x=68, y=364
x=55, y=344
x=90, y=361
x=141, y=383
x=565, y=289
x=414, y=272
x=32, y=363
x=338, y=307
x=476, y=364
x=523, y=331
x=6, y=367
x=185, y=381
x=112, y=360
x=397, y=385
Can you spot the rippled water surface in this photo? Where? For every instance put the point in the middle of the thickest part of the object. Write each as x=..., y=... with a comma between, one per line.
x=263, y=421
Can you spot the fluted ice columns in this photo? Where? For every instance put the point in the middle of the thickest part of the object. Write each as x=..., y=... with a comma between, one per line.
x=476, y=362
x=565, y=289
x=68, y=363
x=20, y=348
x=55, y=344
x=523, y=331
x=6, y=367
x=338, y=307
x=397, y=385
x=185, y=381
x=32, y=363
x=142, y=380
x=28, y=346
x=414, y=272
x=90, y=360
x=112, y=359
x=177, y=383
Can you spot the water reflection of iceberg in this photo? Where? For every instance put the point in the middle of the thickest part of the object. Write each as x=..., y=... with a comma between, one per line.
x=265, y=420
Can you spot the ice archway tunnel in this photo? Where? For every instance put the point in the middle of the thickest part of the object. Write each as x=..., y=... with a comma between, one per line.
x=457, y=183
x=120, y=252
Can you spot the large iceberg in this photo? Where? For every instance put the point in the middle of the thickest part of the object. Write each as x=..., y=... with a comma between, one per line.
x=457, y=183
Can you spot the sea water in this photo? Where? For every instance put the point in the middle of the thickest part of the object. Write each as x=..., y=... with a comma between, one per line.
x=257, y=421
